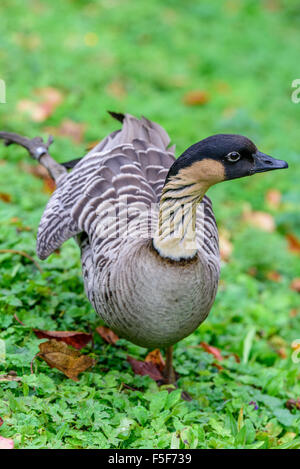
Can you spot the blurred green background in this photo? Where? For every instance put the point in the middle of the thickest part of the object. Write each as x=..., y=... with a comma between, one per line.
x=197, y=68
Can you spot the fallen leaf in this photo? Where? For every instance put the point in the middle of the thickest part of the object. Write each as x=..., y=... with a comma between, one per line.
x=32, y=109
x=92, y=145
x=274, y=276
x=76, y=339
x=68, y=128
x=156, y=358
x=48, y=100
x=272, y=5
x=294, y=312
x=236, y=357
x=51, y=98
x=116, y=89
x=293, y=404
x=145, y=368
x=279, y=345
x=218, y=366
x=282, y=352
x=49, y=185
x=6, y=443
x=40, y=172
x=19, y=224
x=295, y=285
x=5, y=197
x=59, y=355
x=196, y=98
x=252, y=271
x=225, y=245
x=107, y=334
x=273, y=198
x=293, y=243
x=261, y=220
x=213, y=350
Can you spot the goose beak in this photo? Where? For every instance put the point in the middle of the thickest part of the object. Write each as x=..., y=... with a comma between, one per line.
x=264, y=163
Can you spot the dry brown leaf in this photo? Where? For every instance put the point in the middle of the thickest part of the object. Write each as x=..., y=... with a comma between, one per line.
x=92, y=145
x=34, y=110
x=236, y=357
x=145, y=368
x=293, y=404
x=272, y=5
x=47, y=101
x=196, y=98
x=59, y=355
x=293, y=243
x=49, y=185
x=261, y=220
x=252, y=271
x=218, y=366
x=107, y=334
x=76, y=339
x=156, y=358
x=117, y=89
x=225, y=245
x=273, y=198
x=5, y=197
x=295, y=285
x=21, y=228
x=40, y=172
x=69, y=129
x=274, y=276
x=282, y=352
x=213, y=350
x=294, y=312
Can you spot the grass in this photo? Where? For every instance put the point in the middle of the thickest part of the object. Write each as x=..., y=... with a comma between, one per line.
x=143, y=57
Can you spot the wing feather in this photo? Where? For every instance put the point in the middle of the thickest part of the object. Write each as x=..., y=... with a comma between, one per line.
x=130, y=162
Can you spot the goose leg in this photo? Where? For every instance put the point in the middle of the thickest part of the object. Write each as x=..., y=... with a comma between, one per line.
x=38, y=149
x=169, y=372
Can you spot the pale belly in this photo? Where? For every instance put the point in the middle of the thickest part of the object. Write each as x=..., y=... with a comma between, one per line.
x=155, y=304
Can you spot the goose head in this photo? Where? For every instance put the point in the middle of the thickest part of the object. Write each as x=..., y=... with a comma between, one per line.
x=220, y=158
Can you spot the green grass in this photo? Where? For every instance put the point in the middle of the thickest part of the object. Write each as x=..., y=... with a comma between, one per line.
x=245, y=56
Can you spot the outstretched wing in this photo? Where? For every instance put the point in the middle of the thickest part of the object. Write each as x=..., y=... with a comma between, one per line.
x=132, y=162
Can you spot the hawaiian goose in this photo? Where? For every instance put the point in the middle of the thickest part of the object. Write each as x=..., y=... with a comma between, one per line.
x=146, y=229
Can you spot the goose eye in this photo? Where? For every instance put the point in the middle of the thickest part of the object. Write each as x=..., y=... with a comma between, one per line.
x=233, y=156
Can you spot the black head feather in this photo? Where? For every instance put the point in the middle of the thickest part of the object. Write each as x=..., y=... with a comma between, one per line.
x=238, y=154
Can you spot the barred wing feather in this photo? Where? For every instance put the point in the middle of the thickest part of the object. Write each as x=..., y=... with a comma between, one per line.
x=131, y=162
